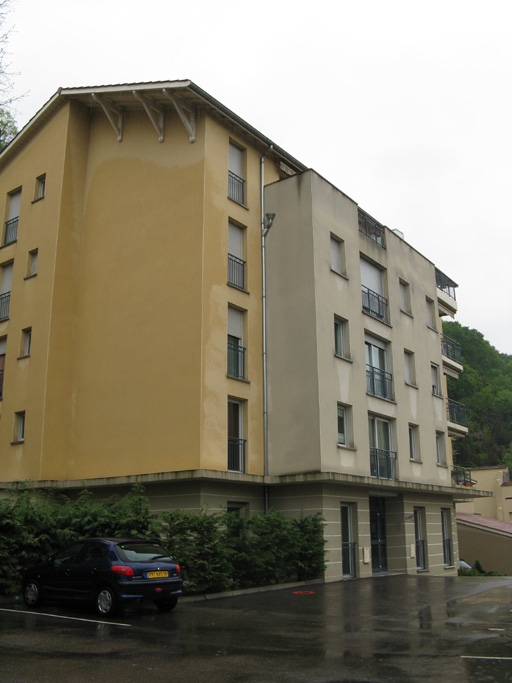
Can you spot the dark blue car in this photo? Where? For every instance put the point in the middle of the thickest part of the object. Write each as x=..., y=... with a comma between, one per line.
x=107, y=571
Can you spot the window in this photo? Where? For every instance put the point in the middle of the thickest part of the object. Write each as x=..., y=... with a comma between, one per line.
x=446, y=526
x=19, y=427
x=372, y=286
x=236, y=263
x=3, y=345
x=11, y=225
x=382, y=458
x=434, y=373
x=431, y=314
x=410, y=368
x=236, y=351
x=378, y=380
x=414, y=443
x=5, y=290
x=419, y=534
x=341, y=346
x=405, y=297
x=26, y=341
x=236, y=442
x=342, y=428
x=32, y=263
x=40, y=187
x=344, y=425
x=337, y=255
x=440, y=449
x=237, y=507
x=236, y=182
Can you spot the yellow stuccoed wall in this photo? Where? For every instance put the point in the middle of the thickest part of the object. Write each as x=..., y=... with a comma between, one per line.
x=129, y=309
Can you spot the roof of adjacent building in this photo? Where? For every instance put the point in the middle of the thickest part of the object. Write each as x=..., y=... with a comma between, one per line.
x=485, y=523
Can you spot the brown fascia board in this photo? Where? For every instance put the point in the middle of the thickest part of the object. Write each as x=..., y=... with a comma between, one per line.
x=188, y=92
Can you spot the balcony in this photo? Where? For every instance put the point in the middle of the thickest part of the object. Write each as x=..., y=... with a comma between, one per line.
x=5, y=300
x=446, y=298
x=374, y=304
x=452, y=357
x=379, y=383
x=457, y=419
x=236, y=188
x=461, y=476
x=11, y=231
x=236, y=454
x=370, y=227
x=382, y=463
x=236, y=360
x=236, y=271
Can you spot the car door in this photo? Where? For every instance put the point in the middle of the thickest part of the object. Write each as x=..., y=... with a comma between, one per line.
x=90, y=566
x=58, y=581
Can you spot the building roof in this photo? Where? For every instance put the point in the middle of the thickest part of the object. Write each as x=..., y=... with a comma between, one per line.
x=183, y=95
x=485, y=523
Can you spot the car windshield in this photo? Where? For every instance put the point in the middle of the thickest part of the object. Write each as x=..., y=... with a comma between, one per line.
x=142, y=552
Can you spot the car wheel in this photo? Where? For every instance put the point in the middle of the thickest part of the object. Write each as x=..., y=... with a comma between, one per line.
x=166, y=604
x=32, y=593
x=106, y=602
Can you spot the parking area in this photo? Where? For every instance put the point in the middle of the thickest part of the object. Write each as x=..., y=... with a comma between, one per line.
x=389, y=629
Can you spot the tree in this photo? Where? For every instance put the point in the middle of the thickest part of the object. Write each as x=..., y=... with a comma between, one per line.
x=5, y=73
x=8, y=128
x=485, y=387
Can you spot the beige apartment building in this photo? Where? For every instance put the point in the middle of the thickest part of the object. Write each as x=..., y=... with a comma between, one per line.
x=184, y=304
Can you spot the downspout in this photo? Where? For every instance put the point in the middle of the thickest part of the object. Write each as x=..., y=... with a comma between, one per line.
x=264, y=231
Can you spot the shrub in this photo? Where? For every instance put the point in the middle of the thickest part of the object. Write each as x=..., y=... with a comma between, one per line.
x=217, y=552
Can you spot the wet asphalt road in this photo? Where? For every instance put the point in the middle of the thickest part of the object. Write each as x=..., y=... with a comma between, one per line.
x=390, y=629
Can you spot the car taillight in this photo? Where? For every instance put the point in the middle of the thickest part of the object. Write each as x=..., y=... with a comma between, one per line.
x=178, y=569
x=122, y=569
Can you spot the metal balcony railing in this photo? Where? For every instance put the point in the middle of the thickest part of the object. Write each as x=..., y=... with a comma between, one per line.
x=348, y=558
x=370, y=227
x=1, y=383
x=236, y=188
x=379, y=383
x=421, y=556
x=374, y=304
x=451, y=349
x=11, y=230
x=461, y=476
x=382, y=463
x=5, y=300
x=236, y=360
x=236, y=454
x=447, y=552
x=456, y=412
x=445, y=284
x=236, y=271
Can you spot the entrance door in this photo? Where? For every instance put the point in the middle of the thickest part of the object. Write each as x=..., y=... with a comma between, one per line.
x=378, y=534
x=348, y=546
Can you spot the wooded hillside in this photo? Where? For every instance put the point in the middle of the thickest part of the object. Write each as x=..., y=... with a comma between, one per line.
x=485, y=387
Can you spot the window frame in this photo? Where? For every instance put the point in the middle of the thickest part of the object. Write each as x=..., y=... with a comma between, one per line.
x=25, y=342
x=414, y=443
x=441, y=458
x=19, y=427
x=337, y=255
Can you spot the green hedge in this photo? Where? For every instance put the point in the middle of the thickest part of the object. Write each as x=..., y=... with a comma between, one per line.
x=218, y=552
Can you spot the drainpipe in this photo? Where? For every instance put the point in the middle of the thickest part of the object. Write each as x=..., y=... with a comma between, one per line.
x=266, y=223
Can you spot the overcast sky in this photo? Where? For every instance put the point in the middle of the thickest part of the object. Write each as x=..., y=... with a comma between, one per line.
x=405, y=105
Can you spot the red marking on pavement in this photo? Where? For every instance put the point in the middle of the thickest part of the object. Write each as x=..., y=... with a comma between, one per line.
x=303, y=592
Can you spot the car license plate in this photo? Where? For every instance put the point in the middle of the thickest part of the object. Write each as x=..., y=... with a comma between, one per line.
x=157, y=575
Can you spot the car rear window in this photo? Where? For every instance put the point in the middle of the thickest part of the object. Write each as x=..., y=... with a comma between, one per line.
x=142, y=552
